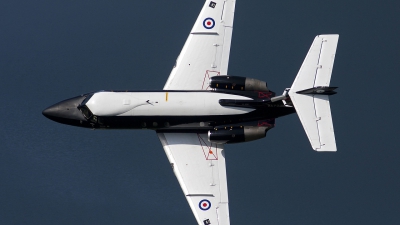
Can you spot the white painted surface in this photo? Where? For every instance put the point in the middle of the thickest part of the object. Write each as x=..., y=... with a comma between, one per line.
x=325, y=124
x=316, y=69
x=113, y=103
x=162, y=104
x=200, y=169
x=206, y=51
x=314, y=110
x=205, y=54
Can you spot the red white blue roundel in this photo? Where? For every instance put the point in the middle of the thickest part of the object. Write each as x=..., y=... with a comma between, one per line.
x=204, y=204
x=208, y=23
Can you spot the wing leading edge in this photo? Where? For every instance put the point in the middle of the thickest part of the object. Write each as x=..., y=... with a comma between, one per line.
x=206, y=51
x=200, y=168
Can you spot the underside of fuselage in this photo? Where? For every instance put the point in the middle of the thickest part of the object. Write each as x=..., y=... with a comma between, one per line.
x=169, y=111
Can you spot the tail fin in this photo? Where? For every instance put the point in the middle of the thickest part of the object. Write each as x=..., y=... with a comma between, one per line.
x=310, y=92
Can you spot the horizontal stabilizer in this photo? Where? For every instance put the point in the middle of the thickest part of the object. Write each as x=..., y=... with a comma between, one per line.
x=310, y=93
x=315, y=115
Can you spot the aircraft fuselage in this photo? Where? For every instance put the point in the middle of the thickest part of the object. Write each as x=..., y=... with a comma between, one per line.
x=194, y=111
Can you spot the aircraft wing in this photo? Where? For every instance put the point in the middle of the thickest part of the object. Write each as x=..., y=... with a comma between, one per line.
x=198, y=164
x=200, y=169
x=206, y=51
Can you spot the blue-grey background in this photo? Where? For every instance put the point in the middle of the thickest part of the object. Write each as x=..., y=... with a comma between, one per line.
x=50, y=173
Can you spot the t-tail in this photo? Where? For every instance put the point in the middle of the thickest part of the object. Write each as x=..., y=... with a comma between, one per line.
x=310, y=93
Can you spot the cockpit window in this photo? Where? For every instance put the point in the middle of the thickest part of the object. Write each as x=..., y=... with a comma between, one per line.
x=86, y=112
x=84, y=109
x=88, y=96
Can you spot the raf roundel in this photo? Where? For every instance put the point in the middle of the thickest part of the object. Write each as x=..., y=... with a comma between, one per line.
x=209, y=23
x=204, y=204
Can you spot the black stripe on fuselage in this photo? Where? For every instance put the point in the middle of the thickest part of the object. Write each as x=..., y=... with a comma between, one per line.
x=187, y=122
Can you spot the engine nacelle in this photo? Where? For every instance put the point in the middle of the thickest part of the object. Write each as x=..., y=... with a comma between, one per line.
x=235, y=135
x=238, y=83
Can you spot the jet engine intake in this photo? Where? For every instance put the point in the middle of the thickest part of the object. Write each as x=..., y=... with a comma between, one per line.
x=238, y=83
x=230, y=135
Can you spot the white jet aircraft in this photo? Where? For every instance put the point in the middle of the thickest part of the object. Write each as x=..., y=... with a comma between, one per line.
x=201, y=109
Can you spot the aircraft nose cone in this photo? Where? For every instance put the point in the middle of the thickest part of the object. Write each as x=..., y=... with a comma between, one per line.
x=66, y=111
x=50, y=111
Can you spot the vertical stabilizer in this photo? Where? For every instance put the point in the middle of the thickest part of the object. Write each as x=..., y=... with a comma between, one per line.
x=310, y=93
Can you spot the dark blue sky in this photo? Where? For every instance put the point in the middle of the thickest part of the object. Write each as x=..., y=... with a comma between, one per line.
x=56, y=174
